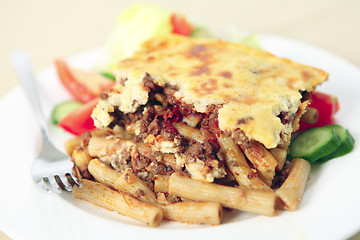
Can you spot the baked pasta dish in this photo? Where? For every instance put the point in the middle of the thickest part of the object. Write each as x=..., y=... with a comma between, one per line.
x=193, y=125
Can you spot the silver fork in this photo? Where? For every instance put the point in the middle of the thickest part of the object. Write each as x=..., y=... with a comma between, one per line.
x=52, y=169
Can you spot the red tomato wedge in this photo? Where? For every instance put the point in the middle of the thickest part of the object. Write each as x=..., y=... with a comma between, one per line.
x=83, y=86
x=80, y=121
x=327, y=105
x=180, y=25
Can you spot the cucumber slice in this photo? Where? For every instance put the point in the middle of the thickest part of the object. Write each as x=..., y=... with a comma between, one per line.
x=347, y=144
x=63, y=109
x=315, y=143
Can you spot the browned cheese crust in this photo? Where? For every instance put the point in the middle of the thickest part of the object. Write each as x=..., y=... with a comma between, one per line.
x=253, y=91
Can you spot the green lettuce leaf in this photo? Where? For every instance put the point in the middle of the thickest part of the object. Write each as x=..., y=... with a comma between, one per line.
x=134, y=26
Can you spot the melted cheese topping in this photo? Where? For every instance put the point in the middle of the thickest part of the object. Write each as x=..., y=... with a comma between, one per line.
x=252, y=87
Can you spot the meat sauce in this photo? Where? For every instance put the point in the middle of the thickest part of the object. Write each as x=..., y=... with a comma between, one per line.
x=154, y=121
x=156, y=118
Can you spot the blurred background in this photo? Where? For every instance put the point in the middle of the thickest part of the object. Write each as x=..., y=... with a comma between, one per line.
x=62, y=28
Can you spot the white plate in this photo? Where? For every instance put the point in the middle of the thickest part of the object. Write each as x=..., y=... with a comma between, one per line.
x=330, y=208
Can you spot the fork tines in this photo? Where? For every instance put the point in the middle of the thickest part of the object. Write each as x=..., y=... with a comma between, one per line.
x=58, y=183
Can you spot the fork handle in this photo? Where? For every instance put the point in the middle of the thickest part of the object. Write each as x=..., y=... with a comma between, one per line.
x=22, y=65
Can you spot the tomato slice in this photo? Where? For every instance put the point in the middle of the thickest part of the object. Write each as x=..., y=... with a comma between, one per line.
x=83, y=86
x=327, y=105
x=180, y=25
x=80, y=121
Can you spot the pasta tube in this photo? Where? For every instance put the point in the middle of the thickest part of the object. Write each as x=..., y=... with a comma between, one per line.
x=293, y=188
x=70, y=145
x=189, y=132
x=262, y=160
x=81, y=158
x=124, y=182
x=280, y=155
x=105, y=197
x=236, y=162
x=260, y=202
x=161, y=183
x=194, y=212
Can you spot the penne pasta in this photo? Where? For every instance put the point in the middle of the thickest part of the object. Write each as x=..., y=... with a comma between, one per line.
x=102, y=132
x=103, y=173
x=161, y=183
x=194, y=212
x=131, y=128
x=122, y=203
x=206, y=213
x=260, y=202
x=70, y=145
x=292, y=189
x=236, y=162
x=129, y=183
x=192, y=119
x=117, y=131
x=310, y=116
x=189, y=132
x=227, y=179
x=81, y=158
x=125, y=182
x=167, y=158
x=295, y=123
x=170, y=159
x=99, y=146
x=262, y=160
x=280, y=155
